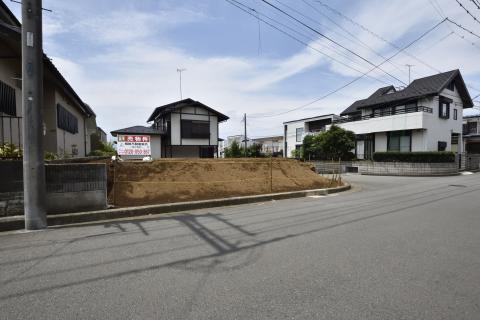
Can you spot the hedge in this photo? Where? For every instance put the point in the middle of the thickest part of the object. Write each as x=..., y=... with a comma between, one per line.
x=426, y=157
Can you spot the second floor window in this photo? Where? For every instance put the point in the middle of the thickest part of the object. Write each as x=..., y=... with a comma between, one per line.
x=193, y=129
x=444, y=108
x=299, y=134
x=8, y=104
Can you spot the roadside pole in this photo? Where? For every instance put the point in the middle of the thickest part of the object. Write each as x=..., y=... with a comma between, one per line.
x=32, y=106
x=245, y=134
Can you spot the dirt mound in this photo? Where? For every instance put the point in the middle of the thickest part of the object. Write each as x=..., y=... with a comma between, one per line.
x=176, y=180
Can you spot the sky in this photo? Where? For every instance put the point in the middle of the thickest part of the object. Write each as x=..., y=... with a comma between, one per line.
x=122, y=56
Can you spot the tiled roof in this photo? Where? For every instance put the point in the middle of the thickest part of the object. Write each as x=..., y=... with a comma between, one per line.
x=419, y=88
x=137, y=130
x=184, y=103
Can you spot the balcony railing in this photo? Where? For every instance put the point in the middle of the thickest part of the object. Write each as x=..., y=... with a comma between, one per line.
x=10, y=130
x=385, y=113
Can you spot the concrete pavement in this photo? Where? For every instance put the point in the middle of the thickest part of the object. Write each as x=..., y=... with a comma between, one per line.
x=391, y=248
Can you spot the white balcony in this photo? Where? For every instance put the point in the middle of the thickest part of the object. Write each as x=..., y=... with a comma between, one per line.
x=405, y=120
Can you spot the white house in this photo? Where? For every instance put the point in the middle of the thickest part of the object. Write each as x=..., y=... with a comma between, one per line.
x=294, y=131
x=68, y=121
x=182, y=129
x=271, y=145
x=425, y=116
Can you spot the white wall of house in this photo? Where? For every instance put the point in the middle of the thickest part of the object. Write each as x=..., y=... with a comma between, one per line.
x=427, y=128
x=439, y=129
x=291, y=137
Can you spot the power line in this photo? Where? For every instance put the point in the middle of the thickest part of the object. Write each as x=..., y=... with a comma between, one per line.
x=468, y=11
x=335, y=11
x=330, y=39
x=462, y=27
x=256, y=14
x=476, y=3
x=355, y=79
x=352, y=37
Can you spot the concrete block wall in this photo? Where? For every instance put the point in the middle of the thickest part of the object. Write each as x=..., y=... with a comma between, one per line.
x=408, y=169
x=70, y=187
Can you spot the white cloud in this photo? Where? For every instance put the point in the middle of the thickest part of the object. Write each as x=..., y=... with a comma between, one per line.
x=130, y=77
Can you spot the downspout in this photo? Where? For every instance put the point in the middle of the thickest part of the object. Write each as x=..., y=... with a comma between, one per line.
x=84, y=138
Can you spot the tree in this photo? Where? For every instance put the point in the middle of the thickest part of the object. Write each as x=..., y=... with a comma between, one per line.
x=336, y=143
x=105, y=149
x=310, y=148
x=254, y=151
x=234, y=151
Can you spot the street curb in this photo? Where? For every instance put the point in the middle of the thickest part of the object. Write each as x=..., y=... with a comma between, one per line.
x=17, y=222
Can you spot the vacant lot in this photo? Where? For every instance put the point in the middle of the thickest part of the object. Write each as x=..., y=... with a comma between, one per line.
x=175, y=180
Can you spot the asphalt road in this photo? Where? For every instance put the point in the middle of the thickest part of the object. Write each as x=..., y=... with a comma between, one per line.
x=392, y=248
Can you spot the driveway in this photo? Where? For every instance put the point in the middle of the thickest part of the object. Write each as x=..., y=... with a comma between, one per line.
x=391, y=248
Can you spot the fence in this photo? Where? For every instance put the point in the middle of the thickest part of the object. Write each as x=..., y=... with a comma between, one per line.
x=470, y=162
x=69, y=187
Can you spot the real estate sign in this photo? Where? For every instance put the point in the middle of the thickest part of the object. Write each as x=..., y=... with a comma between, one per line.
x=133, y=145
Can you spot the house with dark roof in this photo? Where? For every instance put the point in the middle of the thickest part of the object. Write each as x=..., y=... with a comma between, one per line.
x=425, y=116
x=68, y=121
x=182, y=129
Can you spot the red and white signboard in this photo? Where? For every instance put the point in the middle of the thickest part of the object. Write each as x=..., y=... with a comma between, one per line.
x=133, y=145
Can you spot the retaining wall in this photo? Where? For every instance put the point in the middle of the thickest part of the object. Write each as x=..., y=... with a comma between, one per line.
x=387, y=168
x=408, y=169
x=70, y=187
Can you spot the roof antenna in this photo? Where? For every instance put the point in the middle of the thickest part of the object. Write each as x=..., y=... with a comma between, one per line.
x=409, y=66
x=180, y=70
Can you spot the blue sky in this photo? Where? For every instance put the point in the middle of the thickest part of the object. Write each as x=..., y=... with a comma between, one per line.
x=121, y=56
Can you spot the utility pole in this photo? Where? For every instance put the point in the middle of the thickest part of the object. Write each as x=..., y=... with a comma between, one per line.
x=245, y=134
x=409, y=66
x=32, y=106
x=180, y=70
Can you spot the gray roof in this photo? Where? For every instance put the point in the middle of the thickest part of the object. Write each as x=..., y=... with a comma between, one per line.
x=184, y=103
x=419, y=88
x=137, y=130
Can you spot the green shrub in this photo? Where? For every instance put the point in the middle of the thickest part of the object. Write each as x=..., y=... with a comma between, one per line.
x=427, y=157
x=106, y=149
x=10, y=151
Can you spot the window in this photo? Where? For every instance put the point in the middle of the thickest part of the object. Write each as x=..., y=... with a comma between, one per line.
x=8, y=104
x=195, y=129
x=451, y=86
x=299, y=134
x=455, y=114
x=399, y=141
x=471, y=128
x=455, y=138
x=66, y=120
x=444, y=108
x=442, y=145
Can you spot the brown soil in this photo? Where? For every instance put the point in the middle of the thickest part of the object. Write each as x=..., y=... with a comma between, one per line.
x=176, y=180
